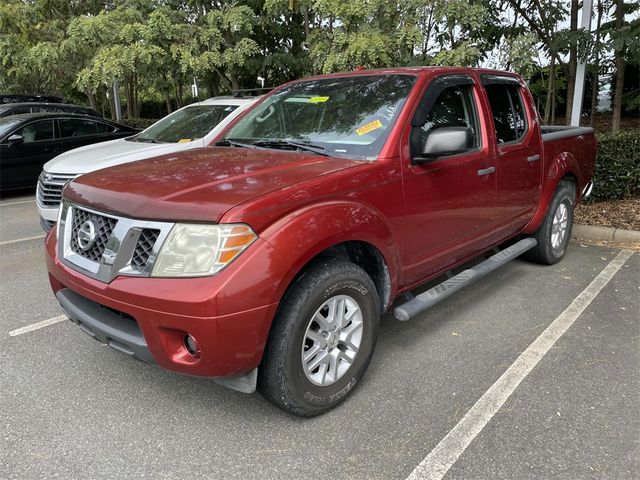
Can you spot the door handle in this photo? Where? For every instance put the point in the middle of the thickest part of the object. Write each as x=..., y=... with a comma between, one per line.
x=533, y=158
x=487, y=171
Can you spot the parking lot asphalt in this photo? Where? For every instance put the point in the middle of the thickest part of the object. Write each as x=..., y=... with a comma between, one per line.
x=72, y=408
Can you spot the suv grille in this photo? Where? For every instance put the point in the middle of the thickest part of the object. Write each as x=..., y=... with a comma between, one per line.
x=144, y=248
x=50, y=187
x=103, y=226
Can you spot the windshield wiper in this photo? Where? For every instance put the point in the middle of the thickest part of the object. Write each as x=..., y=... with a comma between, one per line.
x=317, y=149
x=144, y=140
x=227, y=142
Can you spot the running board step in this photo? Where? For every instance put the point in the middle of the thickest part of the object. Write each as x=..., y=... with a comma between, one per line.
x=441, y=291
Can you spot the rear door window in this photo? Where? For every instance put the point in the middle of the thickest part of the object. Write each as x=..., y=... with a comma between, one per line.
x=509, y=117
x=79, y=127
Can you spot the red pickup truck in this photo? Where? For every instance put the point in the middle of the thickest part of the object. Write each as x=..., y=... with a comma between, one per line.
x=267, y=260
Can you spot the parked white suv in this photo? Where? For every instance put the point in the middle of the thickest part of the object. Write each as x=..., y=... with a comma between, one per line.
x=196, y=125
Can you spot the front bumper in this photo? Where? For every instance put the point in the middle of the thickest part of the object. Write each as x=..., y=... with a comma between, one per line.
x=48, y=214
x=229, y=314
x=110, y=327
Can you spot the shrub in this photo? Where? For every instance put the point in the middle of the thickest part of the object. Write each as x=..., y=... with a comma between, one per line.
x=617, y=171
x=153, y=108
x=139, y=122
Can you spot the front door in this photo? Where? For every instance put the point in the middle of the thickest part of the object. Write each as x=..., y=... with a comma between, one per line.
x=21, y=161
x=449, y=199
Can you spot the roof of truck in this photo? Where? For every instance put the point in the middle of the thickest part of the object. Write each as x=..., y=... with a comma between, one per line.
x=414, y=71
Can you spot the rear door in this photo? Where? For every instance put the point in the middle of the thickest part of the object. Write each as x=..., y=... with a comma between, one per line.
x=517, y=141
x=448, y=200
x=21, y=163
x=77, y=132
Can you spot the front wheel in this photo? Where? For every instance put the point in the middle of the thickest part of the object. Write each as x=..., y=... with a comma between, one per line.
x=322, y=339
x=555, y=232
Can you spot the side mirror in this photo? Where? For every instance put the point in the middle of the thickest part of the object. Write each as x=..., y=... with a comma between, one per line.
x=445, y=141
x=15, y=139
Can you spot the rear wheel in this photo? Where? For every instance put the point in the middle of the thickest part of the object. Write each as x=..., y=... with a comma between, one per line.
x=322, y=339
x=555, y=232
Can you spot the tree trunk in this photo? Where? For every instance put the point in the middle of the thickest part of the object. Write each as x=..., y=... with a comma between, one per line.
x=235, y=83
x=553, y=101
x=112, y=105
x=306, y=25
x=130, y=100
x=620, y=64
x=573, y=61
x=134, y=88
x=92, y=99
x=596, y=68
x=551, y=87
x=179, y=93
x=165, y=91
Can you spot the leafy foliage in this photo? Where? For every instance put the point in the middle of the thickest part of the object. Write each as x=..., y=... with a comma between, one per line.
x=617, y=172
x=156, y=49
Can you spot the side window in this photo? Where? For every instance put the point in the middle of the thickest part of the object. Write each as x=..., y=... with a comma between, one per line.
x=37, y=131
x=79, y=127
x=454, y=107
x=508, y=112
x=268, y=125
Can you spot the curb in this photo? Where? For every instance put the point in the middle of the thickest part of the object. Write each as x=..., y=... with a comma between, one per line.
x=605, y=234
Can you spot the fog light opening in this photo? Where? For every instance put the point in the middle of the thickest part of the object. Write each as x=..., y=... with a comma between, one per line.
x=191, y=345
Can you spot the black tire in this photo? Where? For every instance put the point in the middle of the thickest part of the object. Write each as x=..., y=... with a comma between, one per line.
x=545, y=252
x=282, y=378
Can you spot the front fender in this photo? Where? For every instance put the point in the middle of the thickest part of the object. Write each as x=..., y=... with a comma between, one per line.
x=307, y=232
x=562, y=165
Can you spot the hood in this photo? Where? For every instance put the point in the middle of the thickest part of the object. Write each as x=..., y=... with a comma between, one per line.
x=198, y=185
x=107, y=154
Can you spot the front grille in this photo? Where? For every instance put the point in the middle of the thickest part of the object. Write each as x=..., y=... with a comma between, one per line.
x=144, y=248
x=104, y=246
x=103, y=226
x=50, y=187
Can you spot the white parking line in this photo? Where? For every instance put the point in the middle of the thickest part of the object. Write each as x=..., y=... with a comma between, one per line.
x=24, y=239
x=19, y=202
x=37, y=326
x=446, y=453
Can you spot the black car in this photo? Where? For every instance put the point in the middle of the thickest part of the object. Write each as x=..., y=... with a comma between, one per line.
x=29, y=97
x=28, y=141
x=36, y=107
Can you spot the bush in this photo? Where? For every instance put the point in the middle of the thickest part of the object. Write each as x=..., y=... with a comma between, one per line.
x=617, y=171
x=153, y=109
x=139, y=122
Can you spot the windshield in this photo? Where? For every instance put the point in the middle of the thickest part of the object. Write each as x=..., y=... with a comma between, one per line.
x=7, y=124
x=186, y=125
x=344, y=116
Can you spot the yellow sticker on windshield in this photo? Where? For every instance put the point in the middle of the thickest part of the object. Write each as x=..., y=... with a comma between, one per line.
x=318, y=99
x=184, y=140
x=369, y=127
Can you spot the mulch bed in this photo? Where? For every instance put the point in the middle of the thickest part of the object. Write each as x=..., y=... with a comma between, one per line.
x=610, y=213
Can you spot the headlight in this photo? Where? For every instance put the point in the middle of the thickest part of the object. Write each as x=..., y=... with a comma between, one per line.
x=193, y=250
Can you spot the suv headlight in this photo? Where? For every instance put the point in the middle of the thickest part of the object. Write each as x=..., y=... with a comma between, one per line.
x=193, y=250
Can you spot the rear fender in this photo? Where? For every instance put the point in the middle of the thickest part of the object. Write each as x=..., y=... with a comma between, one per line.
x=562, y=165
x=306, y=233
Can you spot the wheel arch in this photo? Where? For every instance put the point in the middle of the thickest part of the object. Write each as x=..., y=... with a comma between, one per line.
x=347, y=230
x=564, y=167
